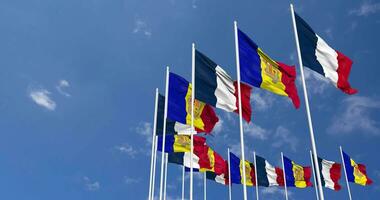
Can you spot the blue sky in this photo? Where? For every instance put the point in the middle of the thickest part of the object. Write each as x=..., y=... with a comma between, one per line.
x=77, y=88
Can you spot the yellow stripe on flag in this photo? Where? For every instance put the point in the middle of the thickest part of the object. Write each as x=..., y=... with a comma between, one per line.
x=360, y=178
x=248, y=178
x=198, y=109
x=299, y=176
x=182, y=143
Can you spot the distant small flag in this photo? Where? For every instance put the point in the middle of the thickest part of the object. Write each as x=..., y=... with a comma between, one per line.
x=236, y=169
x=259, y=70
x=179, y=105
x=267, y=175
x=321, y=58
x=215, y=87
x=296, y=175
x=217, y=178
x=330, y=173
x=184, y=159
x=179, y=143
x=356, y=173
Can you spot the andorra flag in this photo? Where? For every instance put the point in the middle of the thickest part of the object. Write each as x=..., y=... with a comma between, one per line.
x=267, y=175
x=259, y=70
x=356, y=173
x=215, y=87
x=179, y=143
x=321, y=58
x=296, y=175
x=236, y=169
x=179, y=105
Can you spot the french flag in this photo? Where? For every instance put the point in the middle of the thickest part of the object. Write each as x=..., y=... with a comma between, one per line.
x=320, y=57
x=330, y=173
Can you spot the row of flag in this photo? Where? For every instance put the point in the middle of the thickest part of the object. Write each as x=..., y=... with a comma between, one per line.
x=205, y=159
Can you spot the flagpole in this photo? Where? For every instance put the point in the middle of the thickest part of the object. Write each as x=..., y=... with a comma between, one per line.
x=257, y=184
x=345, y=173
x=204, y=186
x=166, y=174
x=315, y=180
x=153, y=143
x=192, y=117
x=164, y=131
x=229, y=175
x=313, y=145
x=240, y=110
x=183, y=182
x=154, y=165
x=283, y=169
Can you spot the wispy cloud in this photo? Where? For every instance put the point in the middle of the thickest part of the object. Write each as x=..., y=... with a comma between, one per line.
x=91, y=185
x=316, y=83
x=42, y=98
x=218, y=127
x=283, y=137
x=355, y=114
x=194, y=4
x=256, y=131
x=269, y=191
x=329, y=32
x=127, y=149
x=142, y=28
x=130, y=180
x=262, y=100
x=145, y=129
x=366, y=8
x=62, y=85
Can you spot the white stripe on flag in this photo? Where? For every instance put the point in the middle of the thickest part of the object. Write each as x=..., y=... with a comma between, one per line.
x=186, y=160
x=271, y=174
x=225, y=98
x=326, y=166
x=220, y=179
x=182, y=129
x=328, y=58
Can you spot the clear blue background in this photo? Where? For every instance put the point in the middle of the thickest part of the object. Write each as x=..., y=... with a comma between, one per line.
x=94, y=144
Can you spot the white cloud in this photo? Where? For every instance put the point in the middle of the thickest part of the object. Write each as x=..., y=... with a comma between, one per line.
x=274, y=191
x=145, y=129
x=130, y=180
x=355, y=114
x=126, y=149
x=283, y=137
x=256, y=131
x=41, y=97
x=262, y=100
x=366, y=8
x=142, y=27
x=316, y=83
x=194, y=4
x=62, y=84
x=91, y=185
x=329, y=33
x=218, y=127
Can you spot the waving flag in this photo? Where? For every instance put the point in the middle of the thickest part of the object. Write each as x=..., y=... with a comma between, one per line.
x=215, y=87
x=296, y=175
x=184, y=159
x=259, y=70
x=330, y=173
x=237, y=171
x=179, y=105
x=321, y=58
x=217, y=178
x=267, y=175
x=214, y=163
x=179, y=143
x=356, y=173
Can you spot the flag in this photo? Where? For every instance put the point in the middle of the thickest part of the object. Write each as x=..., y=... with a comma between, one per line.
x=237, y=171
x=330, y=173
x=215, y=87
x=321, y=58
x=214, y=163
x=179, y=105
x=259, y=70
x=217, y=178
x=356, y=173
x=184, y=159
x=296, y=175
x=179, y=143
x=267, y=175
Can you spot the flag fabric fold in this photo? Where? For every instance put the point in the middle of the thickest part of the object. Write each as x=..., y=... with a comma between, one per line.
x=321, y=58
x=179, y=143
x=236, y=169
x=267, y=175
x=215, y=87
x=356, y=173
x=296, y=175
x=330, y=173
x=259, y=70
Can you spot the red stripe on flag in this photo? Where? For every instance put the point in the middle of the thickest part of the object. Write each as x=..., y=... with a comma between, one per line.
x=288, y=79
x=335, y=174
x=280, y=176
x=307, y=175
x=245, y=100
x=363, y=170
x=209, y=118
x=344, y=68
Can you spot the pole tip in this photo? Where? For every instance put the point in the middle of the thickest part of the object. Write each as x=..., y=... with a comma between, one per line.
x=156, y=90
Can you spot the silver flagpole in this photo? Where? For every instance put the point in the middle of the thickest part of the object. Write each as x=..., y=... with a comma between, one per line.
x=204, y=186
x=229, y=175
x=345, y=173
x=166, y=174
x=257, y=184
x=192, y=117
x=164, y=132
x=183, y=182
x=153, y=143
x=240, y=110
x=314, y=148
x=283, y=168
x=315, y=180
x=154, y=166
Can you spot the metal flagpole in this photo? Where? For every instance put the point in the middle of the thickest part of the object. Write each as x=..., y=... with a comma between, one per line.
x=257, y=184
x=204, y=186
x=154, y=166
x=314, y=148
x=166, y=174
x=345, y=173
x=153, y=143
x=192, y=117
x=183, y=182
x=283, y=169
x=315, y=180
x=229, y=175
x=164, y=131
x=240, y=110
